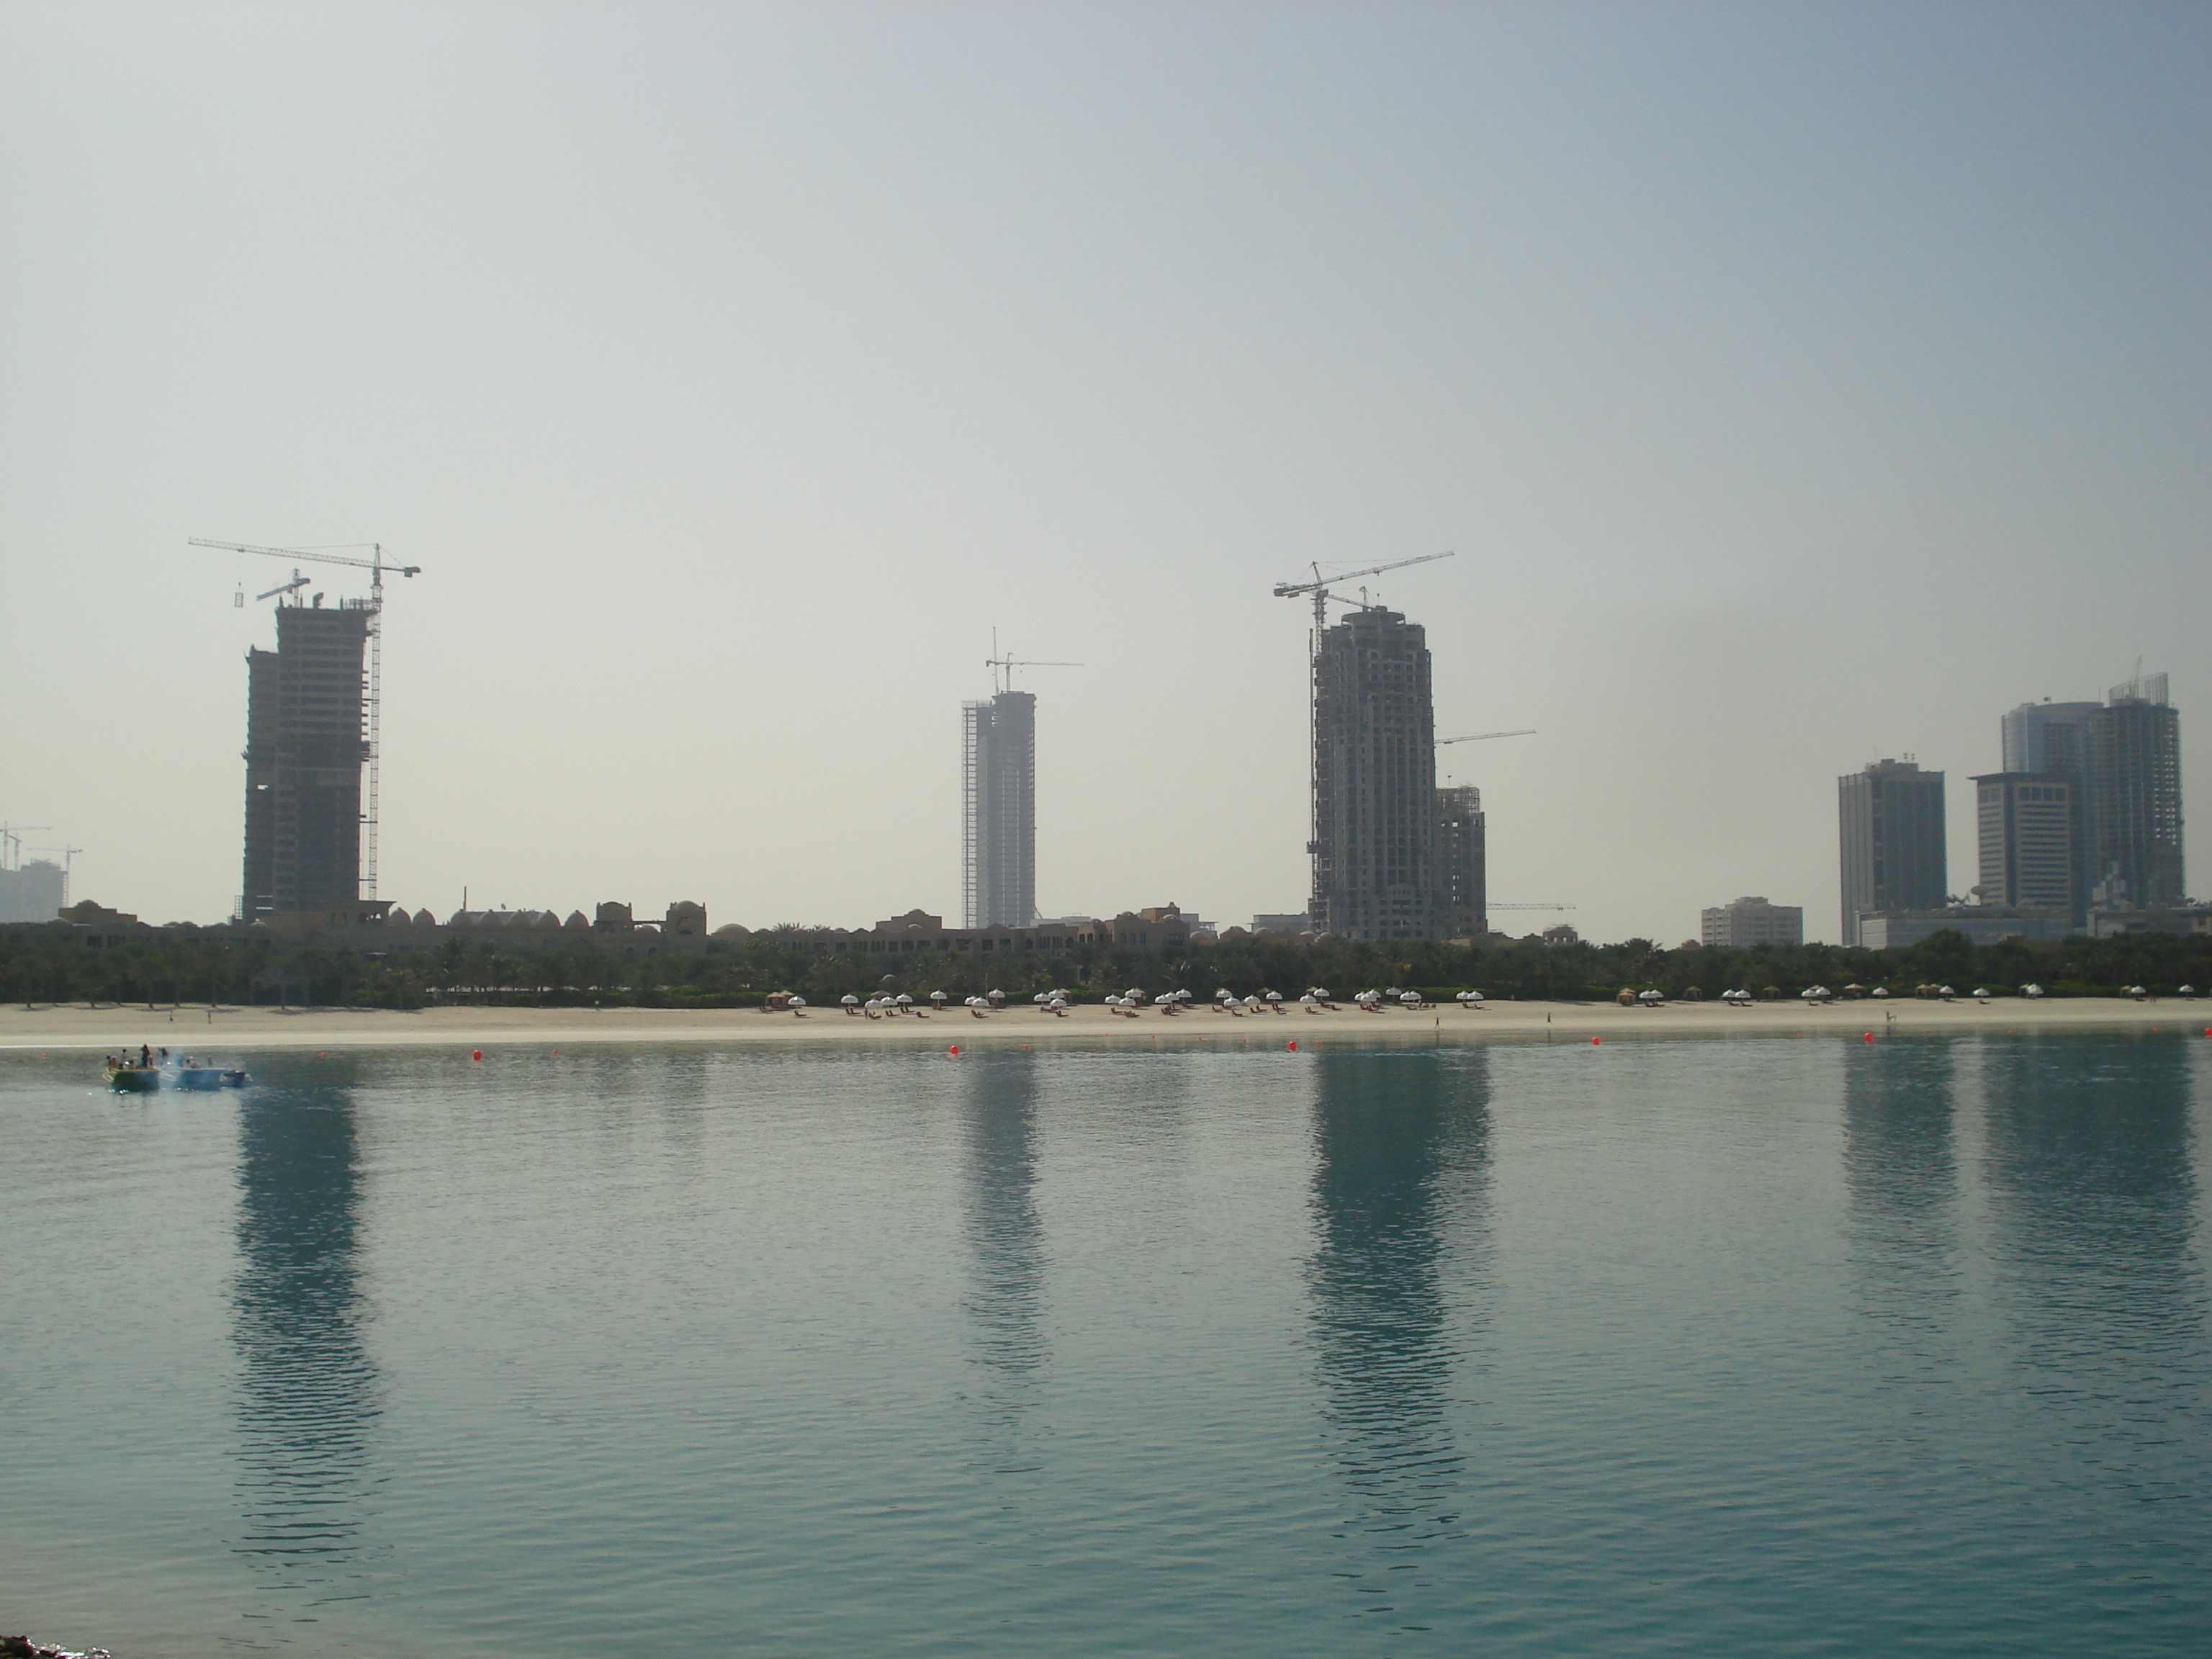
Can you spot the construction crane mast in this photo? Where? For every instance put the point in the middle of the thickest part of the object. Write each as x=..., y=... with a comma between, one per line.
x=11, y=835
x=376, y=565
x=69, y=866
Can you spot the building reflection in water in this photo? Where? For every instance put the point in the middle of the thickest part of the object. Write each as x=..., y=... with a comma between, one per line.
x=2092, y=1196
x=1005, y=1235
x=1402, y=1150
x=1901, y=1174
x=307, y=1389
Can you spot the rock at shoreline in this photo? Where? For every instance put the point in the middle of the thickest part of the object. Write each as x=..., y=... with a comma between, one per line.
x=22, y=1647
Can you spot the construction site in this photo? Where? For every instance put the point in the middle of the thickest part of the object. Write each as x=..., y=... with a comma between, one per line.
x=1394, y=856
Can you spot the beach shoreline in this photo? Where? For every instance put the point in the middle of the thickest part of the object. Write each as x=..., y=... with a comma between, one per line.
x=196, y=1026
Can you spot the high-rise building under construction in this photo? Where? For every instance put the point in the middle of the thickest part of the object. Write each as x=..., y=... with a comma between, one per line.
x=998, y=811
x=306, y=742
x=1376, y=870
x=1463, y=861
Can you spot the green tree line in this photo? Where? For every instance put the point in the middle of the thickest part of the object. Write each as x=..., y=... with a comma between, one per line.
x=37, y=968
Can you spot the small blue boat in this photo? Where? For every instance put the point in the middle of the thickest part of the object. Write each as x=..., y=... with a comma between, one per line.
x=128, y=1080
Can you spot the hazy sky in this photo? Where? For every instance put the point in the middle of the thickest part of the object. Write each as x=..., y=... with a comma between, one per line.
x=1798, y=384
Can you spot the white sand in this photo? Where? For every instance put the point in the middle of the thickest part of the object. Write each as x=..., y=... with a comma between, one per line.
x=46, y=1028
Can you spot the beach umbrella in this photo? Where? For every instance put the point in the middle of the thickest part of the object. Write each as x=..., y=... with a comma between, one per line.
x=798, y=1002
x=1411, y=999
x=1881, y=991
x=1274, y=998
x=1309, y=1001
x=1252, y=1002
x=938, y=998
x=850, y=1002
x=2137, y=993
x=904, y=1001
x=1945, y=992
x=1182, y=996
x=1042, y=998
x=1321, y=992
x=1651, y=996
x=994, y=996
x=2185, y=991
x=1981, y=995
x=1474, y=996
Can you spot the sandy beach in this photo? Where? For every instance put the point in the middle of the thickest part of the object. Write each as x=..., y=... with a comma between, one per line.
x=46, y=1028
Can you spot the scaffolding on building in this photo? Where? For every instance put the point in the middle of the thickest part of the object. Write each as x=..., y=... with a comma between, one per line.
x=372, y=680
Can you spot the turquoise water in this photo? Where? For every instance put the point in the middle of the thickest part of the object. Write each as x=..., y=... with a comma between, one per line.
x=1736, y=1347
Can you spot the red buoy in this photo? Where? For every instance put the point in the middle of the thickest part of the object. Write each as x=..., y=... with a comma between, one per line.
x=954, y=1049
x=476, y=1054
x=1294, y=1041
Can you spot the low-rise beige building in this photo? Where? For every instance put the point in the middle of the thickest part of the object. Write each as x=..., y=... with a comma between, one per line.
x=1750, y=921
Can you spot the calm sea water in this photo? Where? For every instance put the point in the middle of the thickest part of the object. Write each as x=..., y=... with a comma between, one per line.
x=1735, y=1348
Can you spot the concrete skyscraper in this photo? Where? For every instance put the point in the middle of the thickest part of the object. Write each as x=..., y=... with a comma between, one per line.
x=1891, y=832
x=1376, y=874
x=2024, y=832
x=998, y=843
x=2052, y=740
x=1463, y=860
x=2135, y=765
x=2121, y=762
x=306, y=740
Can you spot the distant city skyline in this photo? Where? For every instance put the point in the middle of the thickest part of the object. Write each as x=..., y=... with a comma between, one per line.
x=1795, y=385
x=2084, y=820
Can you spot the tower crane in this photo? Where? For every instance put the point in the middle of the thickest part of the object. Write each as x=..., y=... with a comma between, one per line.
x=11, y=834
x=994, y=662
x=376, y=565
x=1478, y=736
x=297, y=582
x=1320, y=585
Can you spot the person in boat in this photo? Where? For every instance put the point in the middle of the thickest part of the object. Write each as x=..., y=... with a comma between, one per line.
x=145, y=1057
